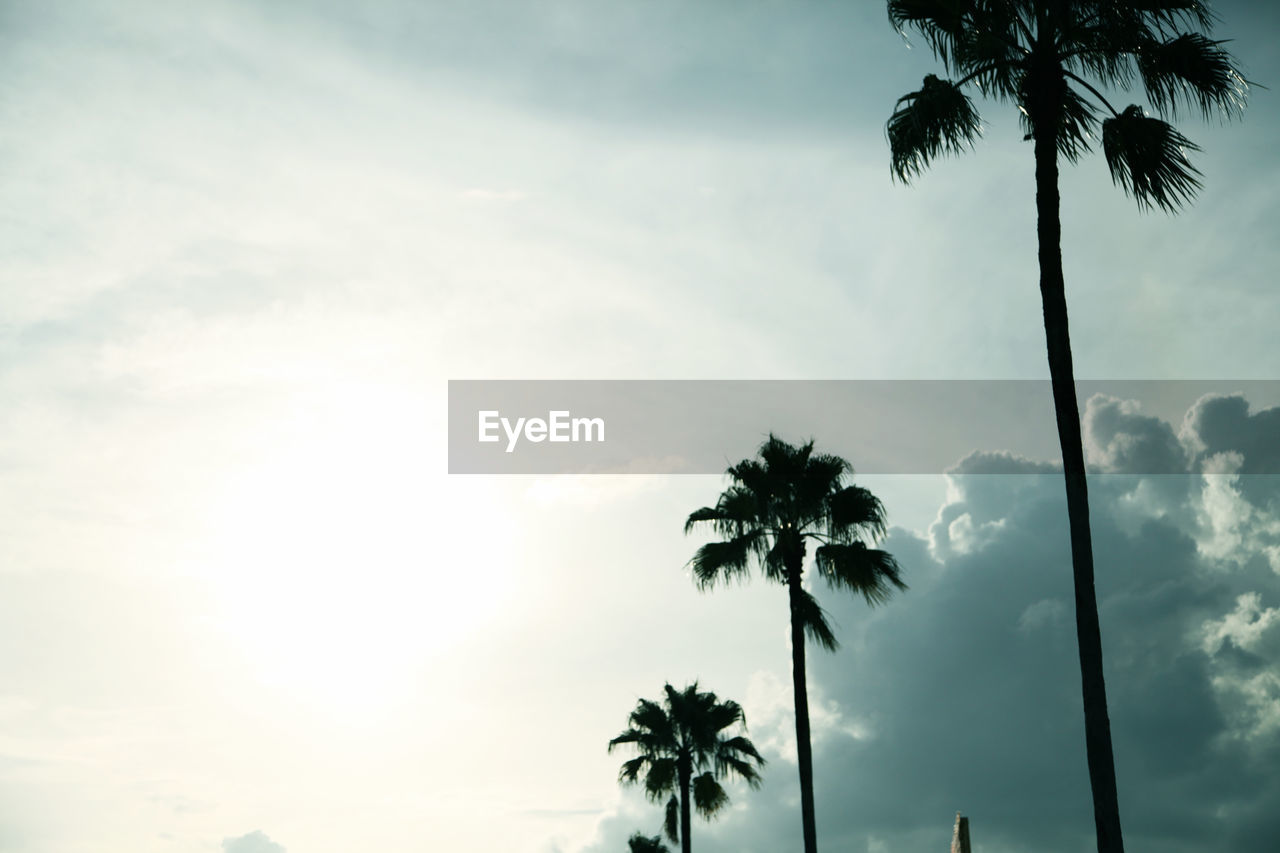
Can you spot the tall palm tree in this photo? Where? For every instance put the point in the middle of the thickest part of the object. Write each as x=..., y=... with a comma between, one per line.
x=683, y=736
x=1041, y=55
x=640, y=843
x=772, y=508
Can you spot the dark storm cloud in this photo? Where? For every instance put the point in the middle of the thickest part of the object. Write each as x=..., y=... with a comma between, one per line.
x=965, y=689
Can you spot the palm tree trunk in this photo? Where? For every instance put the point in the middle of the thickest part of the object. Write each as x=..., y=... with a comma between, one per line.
x=1097, y=726
x=804, y=752
x=686, y=772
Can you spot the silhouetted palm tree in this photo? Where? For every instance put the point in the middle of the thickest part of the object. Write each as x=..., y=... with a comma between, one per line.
x=639, y=843
x=683, y=736
x=773, y=506
x=1037, y=54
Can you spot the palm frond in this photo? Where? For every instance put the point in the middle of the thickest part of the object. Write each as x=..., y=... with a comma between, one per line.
x=752, y=477
x=999, y=79
x=680, y=708
x=1077, y=119
x=1101, y=38
x=745, y=770
x=661, y=778
x=854, y=510
x=872, y=573
x=993, y=55
x=737, y=508
x=703, y=514
x=814, y=621
x=784, y=466
x=775, y=561
x=640, y=843
x=938, y=119
x=671, y=823
x=631, y=768
x=1193, y=70
x=941, y=22
x=725, y=561
x=648, y=741
x=822, y=474
x=720, y=715
x=650, y=720
x=1147, y=158
x=740, y=744
x=626, y=737
x=709, y=798
x=1175, y=13
x=730, y=760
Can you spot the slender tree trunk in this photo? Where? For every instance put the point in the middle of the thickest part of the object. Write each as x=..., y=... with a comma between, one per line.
x=1097, y=726
x=685, y=771
x=804, y=753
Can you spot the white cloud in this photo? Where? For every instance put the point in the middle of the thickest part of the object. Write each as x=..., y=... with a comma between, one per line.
x=769, y=704
x=1118, y=438
x=1243, y=626
x=1236, y=529
x=1046, y=612
x=966, y=537
x=1255, y=704
x=255, y=842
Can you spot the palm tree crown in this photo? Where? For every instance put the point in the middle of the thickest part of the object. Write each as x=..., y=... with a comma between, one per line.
x=775, y=505
x=1042, y=54
x=779, y=502
x=684, y=735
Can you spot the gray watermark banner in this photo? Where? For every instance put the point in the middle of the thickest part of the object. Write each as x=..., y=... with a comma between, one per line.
x=880, y=426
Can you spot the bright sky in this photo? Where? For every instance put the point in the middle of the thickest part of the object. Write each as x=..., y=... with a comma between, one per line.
x=243, y=607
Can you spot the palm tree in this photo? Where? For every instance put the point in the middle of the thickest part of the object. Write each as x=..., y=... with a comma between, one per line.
x=639, y=843
x=683, y=736
x=1037, y=54
x=772, y=507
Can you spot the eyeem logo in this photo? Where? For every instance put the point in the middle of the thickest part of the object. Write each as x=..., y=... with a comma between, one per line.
x=558, y=426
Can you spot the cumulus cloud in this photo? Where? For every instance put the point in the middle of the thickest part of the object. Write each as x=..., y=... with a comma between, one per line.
x=1243, y=626
x=1119, y=438
x=983, y=488
x=1232, y=503
x=769, y=707
x=1238, y=455
x=1219, y=423
x=255, y=842
x=966, y=687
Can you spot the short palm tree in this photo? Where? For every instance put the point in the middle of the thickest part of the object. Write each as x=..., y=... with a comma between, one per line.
x=639, y=843
x=772, y=508
x=684, y=735
x=1041, y=55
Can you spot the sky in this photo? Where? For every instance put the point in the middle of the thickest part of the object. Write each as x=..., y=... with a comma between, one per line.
x=244, y=607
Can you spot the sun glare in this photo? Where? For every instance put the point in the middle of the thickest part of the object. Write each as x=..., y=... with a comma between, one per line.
x=340, y=556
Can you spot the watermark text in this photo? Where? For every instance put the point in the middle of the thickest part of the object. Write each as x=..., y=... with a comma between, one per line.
x=558, y=426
